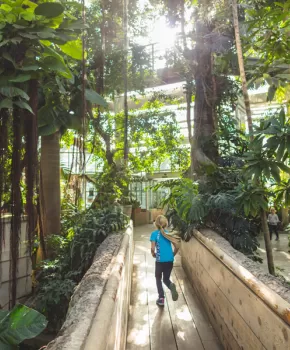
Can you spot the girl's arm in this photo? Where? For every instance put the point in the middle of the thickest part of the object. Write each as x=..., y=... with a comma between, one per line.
x=153, y=245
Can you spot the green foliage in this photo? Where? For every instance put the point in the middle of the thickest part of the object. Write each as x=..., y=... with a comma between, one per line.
x=73, y=254
x=19, y=324
x=49, y=9
x=192, y=205
x=267, y=38
x=251, y=199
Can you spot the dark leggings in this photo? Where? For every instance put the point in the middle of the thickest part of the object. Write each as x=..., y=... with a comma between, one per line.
x=273, y=228
x=164, y=268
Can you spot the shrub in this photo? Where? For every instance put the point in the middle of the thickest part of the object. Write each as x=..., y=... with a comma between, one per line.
x=73, y=254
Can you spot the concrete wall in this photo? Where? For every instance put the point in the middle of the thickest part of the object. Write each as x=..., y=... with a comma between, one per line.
x=24, y=285
x=113, y=311
x=245, y=313
x=98, y=313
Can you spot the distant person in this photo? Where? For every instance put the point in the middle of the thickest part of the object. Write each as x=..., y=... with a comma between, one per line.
x=161, y=249
x=273, y=221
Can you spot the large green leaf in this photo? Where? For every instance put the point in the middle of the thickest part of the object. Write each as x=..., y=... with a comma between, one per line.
x=3, y=314
x=6, y=346
x=21, y=323
x=73, y=49
x=23, y=105
x=46, y=115
x=21, y=78
x=95, y=98
x=49, y=9
x=53, y=63
x=10, y=91
x=6, y=103
x=49, y=129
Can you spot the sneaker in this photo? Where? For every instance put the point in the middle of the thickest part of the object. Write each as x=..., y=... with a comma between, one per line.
x=174, y=292
x=277, y=239
x=160, y=301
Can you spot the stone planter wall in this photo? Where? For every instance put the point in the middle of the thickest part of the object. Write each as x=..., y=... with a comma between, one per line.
x=24, y=285
x=98, y=313
x=245, y=312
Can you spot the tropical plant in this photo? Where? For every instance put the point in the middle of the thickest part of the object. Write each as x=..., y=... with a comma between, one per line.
x=267, y=39
x=32, y=35
x=74, y=252
x=19, y=324
x=263, y=163
x=204, y=204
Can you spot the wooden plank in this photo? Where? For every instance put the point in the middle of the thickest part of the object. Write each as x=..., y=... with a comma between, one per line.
x=138, y=336
x=212, y=345
x=138, y=290
x=161, y=331
x=199, y=315
x=225, y=336
x=263, y=322
x=222, y=308
x=186, y=335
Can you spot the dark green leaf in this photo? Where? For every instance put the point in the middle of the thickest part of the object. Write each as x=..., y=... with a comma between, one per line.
x=13, y=92
x=282, y=117
x=287, y=198
x=21, y=78
x=275, y=172
x=271, y=93
x=3, y=313
x=6, y=346
x=281, y=150
x=95, y=98
x=58, y=65
x=29, y=36
x=23, y=105
x=49, y=9
x=28, y=68
x=6, y=103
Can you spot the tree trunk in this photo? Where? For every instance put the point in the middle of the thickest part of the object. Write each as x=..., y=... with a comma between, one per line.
x=285, y=217
x=31, y=162
x=204, y=117
x=189, y=128
x=125, y=77
x=242, y=67
x=50, y=184
x=16, y=202
x=268, y=244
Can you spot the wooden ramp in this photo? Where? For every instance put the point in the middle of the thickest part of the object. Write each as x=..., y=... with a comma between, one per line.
x=181, y=325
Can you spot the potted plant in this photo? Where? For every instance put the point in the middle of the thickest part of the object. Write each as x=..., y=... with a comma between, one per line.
x=126, y=203
x=136, y=206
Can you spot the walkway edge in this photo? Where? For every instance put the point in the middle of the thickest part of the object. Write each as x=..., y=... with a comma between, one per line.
x=109, y=326
x=271, y=298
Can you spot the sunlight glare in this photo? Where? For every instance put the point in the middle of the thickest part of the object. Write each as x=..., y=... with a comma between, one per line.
x=163, y=34
x=183, y=314
x=139, y=336
x=181, y=335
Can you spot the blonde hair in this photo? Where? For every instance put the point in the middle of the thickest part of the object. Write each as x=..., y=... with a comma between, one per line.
x=161, y=222
x=273, y=209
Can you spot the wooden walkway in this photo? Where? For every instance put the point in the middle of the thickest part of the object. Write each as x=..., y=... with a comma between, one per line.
x=181, y=325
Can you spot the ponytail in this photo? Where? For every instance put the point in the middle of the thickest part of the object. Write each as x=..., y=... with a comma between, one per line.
x=161, y=223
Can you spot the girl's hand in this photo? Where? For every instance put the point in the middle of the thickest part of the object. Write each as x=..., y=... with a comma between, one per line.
x=153, y=254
